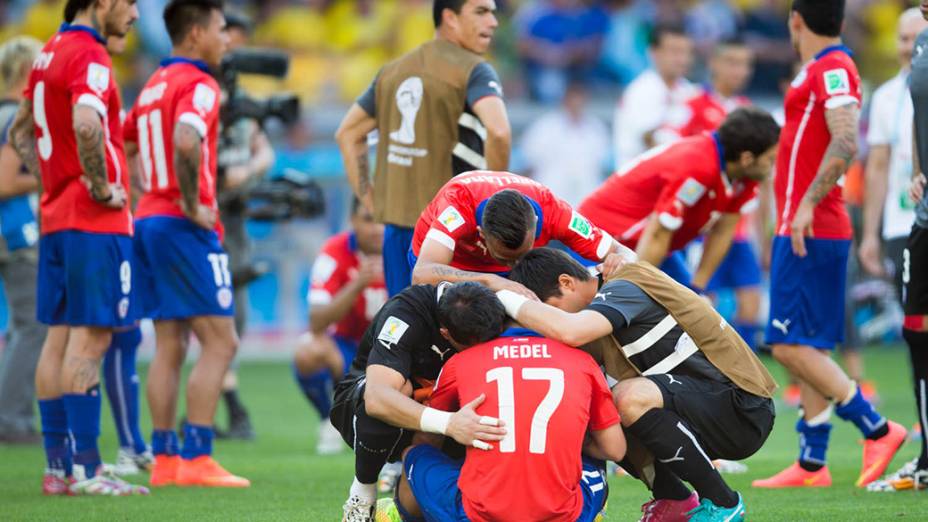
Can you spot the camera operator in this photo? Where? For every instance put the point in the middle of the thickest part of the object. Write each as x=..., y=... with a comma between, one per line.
x=245, y=156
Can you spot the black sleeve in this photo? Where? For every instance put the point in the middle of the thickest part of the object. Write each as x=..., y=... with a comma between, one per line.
x=483, y=82
x=395, y=337
x=620, y=302
x=368, y=100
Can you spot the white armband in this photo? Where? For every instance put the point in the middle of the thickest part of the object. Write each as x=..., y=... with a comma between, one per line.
x=512, y=302
x=434, y=421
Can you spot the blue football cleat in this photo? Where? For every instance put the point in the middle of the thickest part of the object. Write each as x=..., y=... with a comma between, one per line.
x=709, y=512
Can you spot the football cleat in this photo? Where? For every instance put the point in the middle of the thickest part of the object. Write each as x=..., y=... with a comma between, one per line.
x=330, y=440
x=791, y=395
x=357, y=509
x=668, y=510
x=389, y=477
x=796, y=477
x=104, y=484
x=205, y=471
x=164, y=470
x=709, y=512
x=386, y=511
x=906, y=478
x=128, y=462
x=880, y=452
x=54, y=482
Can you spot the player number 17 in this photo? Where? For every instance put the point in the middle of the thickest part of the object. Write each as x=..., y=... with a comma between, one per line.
x=538, y=436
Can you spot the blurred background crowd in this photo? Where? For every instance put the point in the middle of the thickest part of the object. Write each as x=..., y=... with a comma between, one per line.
x=564, y=66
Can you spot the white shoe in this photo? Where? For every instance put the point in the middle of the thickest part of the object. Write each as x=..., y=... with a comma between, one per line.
x=358, y=510
x=103, y=484
x=128, y=462
x=389, y=477
x=907, y=477
x=330, y=440
x=731, y=467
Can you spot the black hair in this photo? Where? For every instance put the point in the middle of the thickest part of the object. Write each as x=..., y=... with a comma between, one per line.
x=659, y=31
x=180, y=16
x=823, y=17
x=236, y=19
x=507, y=217
x=72, y=7
x=731, y=41
x=439, y=6
x=540, y=268
x=471, y=313
x=748, y=129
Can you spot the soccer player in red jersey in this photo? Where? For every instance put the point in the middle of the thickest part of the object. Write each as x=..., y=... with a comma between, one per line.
x=810, y=250
x=183, y=270
x=666, y=197
x=347, y=290
x=481, y=222
x=548, y=396
x=68, y=130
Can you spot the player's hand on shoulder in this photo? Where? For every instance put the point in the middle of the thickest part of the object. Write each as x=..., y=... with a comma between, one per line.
x=917, y=189
x=471, y=429
x=202, y=215
x=497, y=283
x=111, y=195
x=612, y=264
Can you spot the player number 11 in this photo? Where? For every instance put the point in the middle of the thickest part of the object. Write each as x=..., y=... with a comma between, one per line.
x=538, y=435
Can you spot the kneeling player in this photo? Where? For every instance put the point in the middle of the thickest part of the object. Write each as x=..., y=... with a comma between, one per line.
x=398, y=359
x=347, y=290
x=549, y=396
x=689, y=389
x=184, y=272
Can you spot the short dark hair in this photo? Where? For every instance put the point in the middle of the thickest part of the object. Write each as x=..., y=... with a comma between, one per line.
x=731, y=41
x=72, y=7
x=540, y=268
x=823, y=17
x=236, y=19
x=748, y=129
x=659, y=31
x=507, y=217
x=472, y=313
x=439, y=6
x=180, y=16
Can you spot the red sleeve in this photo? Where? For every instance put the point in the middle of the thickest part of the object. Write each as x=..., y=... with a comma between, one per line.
x=91, y=80
x=744, y=201
x=680, y=193
x=574, y=230
x=329, y=274
x=602, y=409
x=445, y=393
x=129, y=131
x=454, y=220
x=198, y=106
x=835, y=84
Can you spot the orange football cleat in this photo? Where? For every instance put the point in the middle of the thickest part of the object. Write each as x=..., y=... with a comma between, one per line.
x=796, y=477
x=880, y=452
x=204, y=471
x=791, y=395
x=164, y=470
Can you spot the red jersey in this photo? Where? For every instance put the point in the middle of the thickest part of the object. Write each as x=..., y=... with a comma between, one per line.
x=75, y=69
x=335, y=266
x=548, y=394
x=456, y=211
x=827, y=82
x=682, y=182
x=181, y=91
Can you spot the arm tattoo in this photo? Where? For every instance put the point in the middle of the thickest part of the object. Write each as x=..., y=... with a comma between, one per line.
x=90, y=150
x=22, y=138
x=84, y=371
x=187, y=167
x=364, y=172
x=843, y=126
x=443, y=271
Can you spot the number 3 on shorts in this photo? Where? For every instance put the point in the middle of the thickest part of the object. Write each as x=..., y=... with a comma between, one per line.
x=220, y=264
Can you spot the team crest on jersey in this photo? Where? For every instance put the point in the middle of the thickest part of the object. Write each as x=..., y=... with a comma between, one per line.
x=224, y=297
x=323, y=269
x=204, y=98
x=690, y=192
x=581, y=226
x=392, y=331
x=836, y=82
x=451, y=219
x=98, y=77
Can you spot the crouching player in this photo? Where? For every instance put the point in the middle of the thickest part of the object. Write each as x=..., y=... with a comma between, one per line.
x=689, y=389
x=347, y=291
x=549, y=396
x=183, y=270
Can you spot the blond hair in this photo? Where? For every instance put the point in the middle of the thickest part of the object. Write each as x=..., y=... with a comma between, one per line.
x=16, y=55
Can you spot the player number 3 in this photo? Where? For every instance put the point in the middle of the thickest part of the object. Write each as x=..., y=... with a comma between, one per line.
x=538, y=436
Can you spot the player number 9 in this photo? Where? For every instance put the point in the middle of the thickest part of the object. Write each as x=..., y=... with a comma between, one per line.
x=125, y=277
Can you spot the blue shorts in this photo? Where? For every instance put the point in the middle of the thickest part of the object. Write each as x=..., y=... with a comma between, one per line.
x=397, y=272
x=807, y=294
x=739, y=269
x=85, y=279
x=675, y=266
x=433, y=477
x=182, y=270
x=348, y=349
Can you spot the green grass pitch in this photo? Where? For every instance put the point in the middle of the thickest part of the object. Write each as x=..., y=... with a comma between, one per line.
x=289, y=482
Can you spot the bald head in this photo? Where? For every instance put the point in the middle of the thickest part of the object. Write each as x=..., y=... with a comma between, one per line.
x=911, y=23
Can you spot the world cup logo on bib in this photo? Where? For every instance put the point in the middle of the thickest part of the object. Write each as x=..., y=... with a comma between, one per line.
x=408, y=101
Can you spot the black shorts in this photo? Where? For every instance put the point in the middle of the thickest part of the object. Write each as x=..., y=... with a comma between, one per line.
x=914, y=272
x=350, y=418
x=729, y=422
